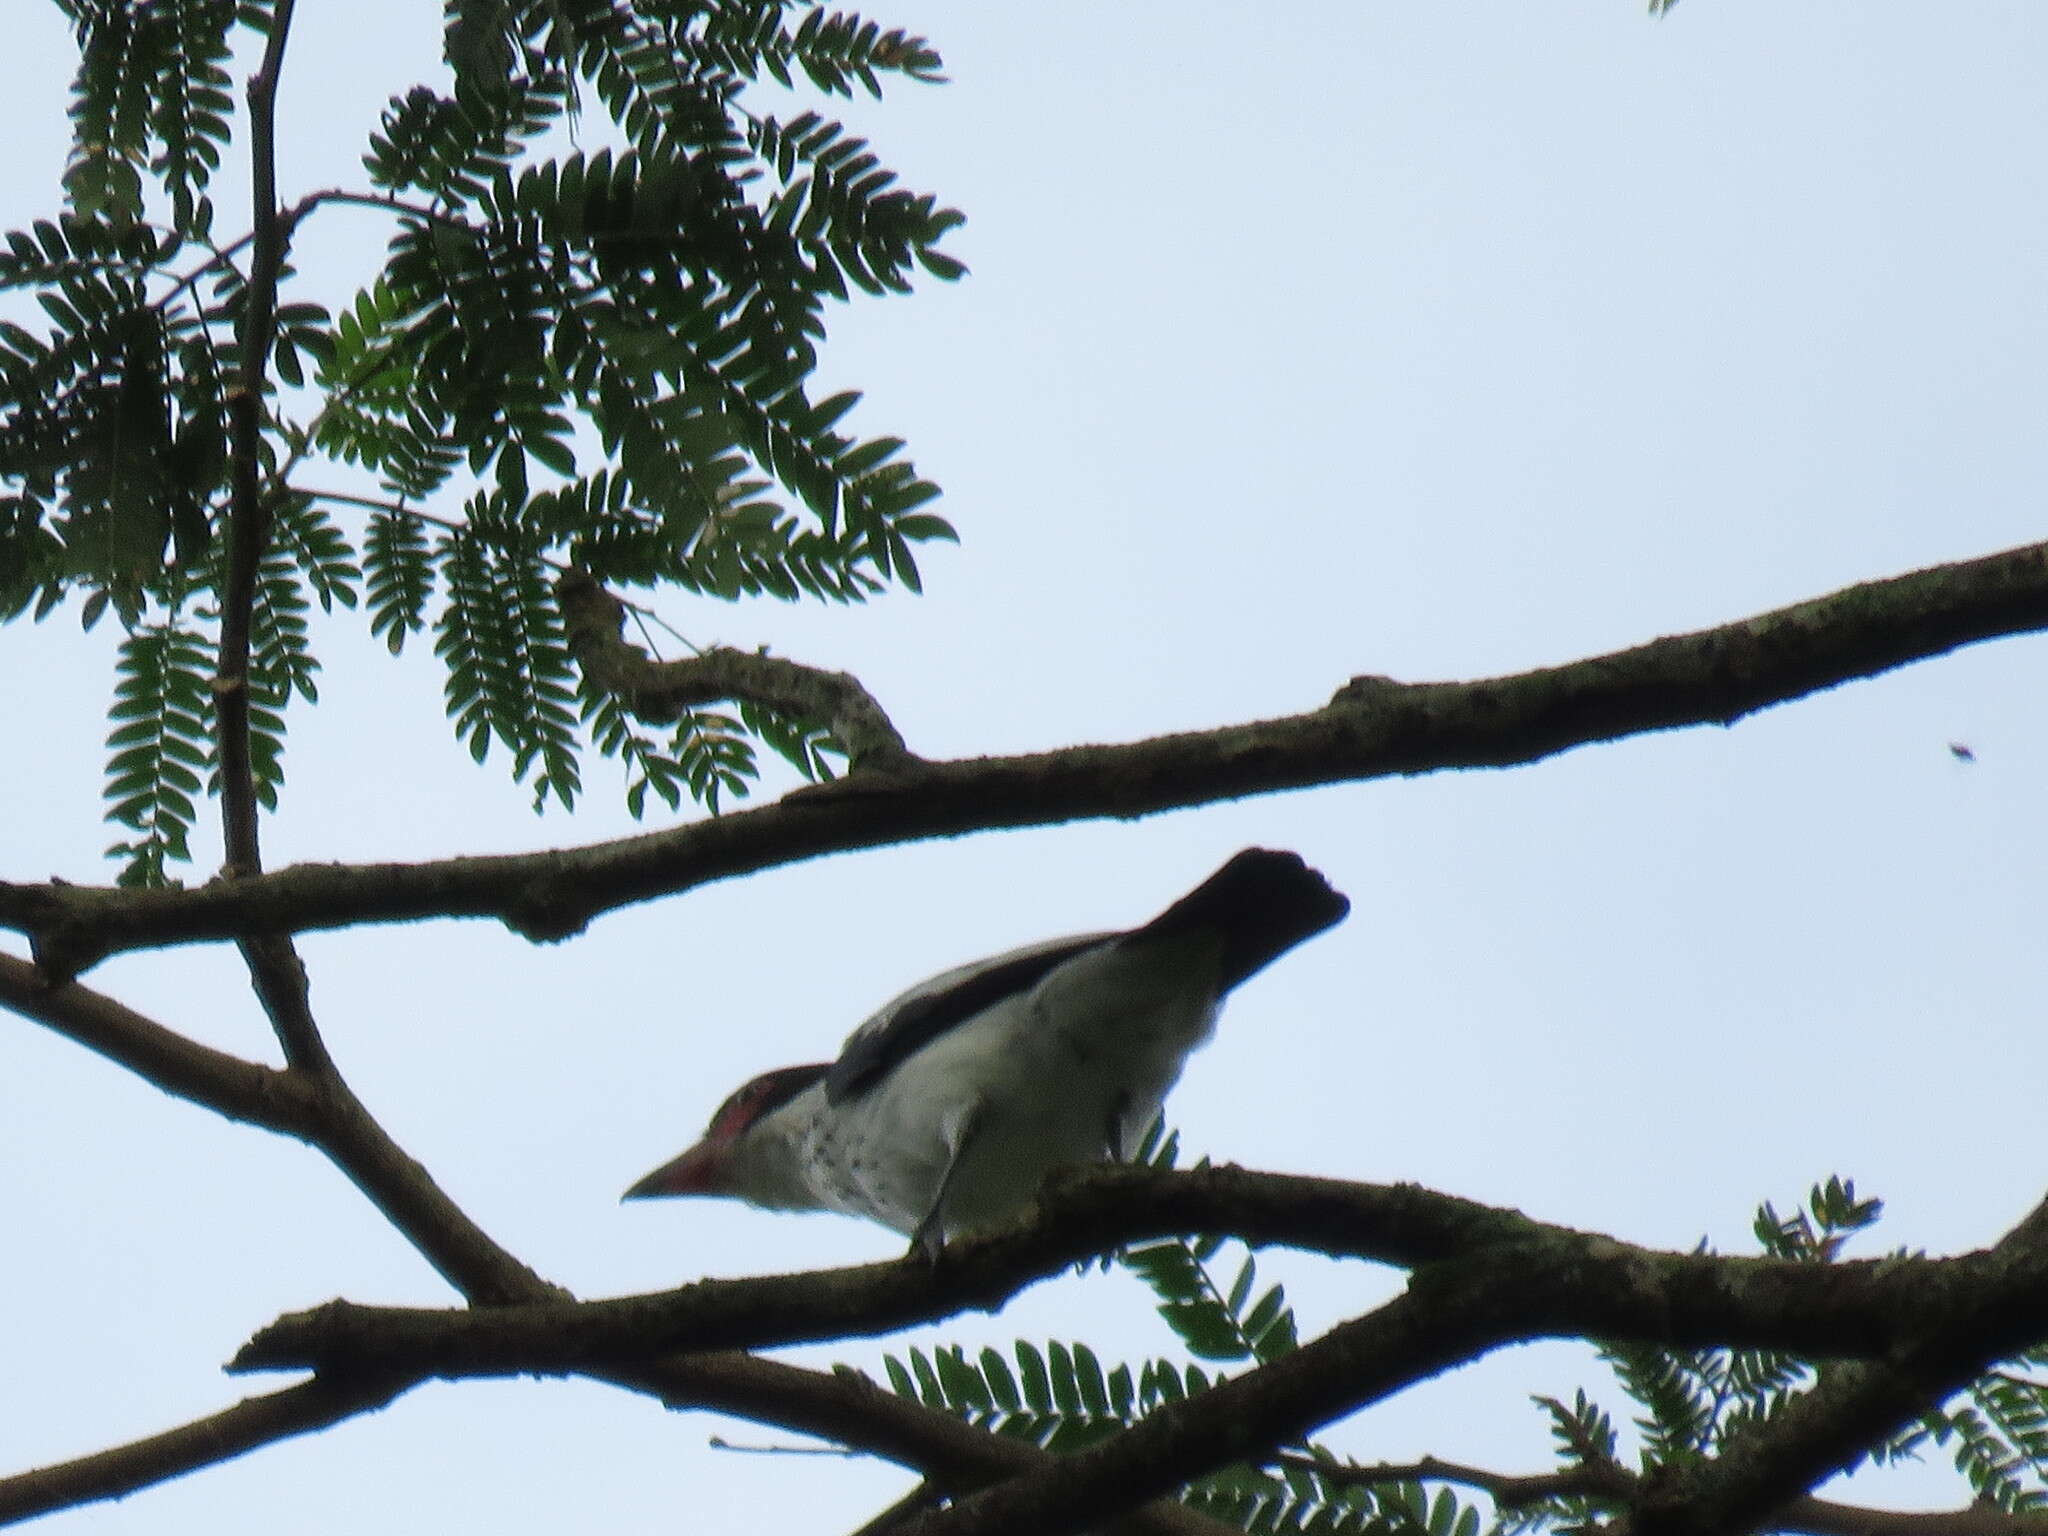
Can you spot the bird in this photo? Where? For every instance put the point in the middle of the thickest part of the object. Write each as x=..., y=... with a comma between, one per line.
x=948, y=1107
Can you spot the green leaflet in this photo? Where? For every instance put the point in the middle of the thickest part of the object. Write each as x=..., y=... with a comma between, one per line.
x=509, y=675
x=158, y=747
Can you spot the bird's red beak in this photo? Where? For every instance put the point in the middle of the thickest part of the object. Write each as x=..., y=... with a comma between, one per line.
x=699, y=1171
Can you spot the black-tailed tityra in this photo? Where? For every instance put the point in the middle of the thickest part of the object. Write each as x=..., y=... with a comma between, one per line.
x=946, y=1110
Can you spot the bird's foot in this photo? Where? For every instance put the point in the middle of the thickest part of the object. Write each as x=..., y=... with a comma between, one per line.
x=929, y=1240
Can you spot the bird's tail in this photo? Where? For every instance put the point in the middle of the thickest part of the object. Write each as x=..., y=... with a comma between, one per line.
x=1262, y=903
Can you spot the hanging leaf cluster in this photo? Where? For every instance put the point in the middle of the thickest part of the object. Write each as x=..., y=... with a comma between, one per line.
x=597, y=357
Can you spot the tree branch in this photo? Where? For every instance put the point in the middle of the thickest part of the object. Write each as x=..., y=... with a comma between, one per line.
x=1613, y=1483
x=253, y=1422
x=278, y=976
x=1487, y=1276
x=1373, y=728
x=1599, y=1480
x=249, y=508
x=658, y=691
x=317, y=1108
x=1543, y=1281
x=924, y=1496
x=1930, y=1324
x=237, y=1089
x=465, y=1255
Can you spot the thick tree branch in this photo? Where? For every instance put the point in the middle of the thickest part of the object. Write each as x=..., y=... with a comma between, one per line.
x=1545, y=1281
x=658, y=691
x=1373, y=728
x=1619, y=1291
x=253, y=1422
x=1931, y=1324
x=1487, y=1276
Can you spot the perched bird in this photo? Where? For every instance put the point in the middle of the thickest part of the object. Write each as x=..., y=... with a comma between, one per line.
x=946, y=1110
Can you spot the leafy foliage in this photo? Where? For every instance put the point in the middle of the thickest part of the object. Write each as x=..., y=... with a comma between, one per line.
x=1996, y=1432
x=806, y=746
x=509, y=674
x=1214, y=1322
x=601, y=356
x=152, y=89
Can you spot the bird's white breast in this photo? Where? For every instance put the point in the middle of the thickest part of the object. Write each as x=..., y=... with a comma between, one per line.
x=1062, y=1073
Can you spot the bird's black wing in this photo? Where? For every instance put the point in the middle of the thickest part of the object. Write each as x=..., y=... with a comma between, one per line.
x=1257, y=906
x=924, y=1013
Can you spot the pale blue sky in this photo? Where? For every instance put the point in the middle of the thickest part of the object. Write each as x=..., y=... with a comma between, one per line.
x=1424, y=340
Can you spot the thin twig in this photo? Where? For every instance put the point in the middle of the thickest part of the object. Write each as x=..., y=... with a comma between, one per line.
x=274, y=967
x=641, y=613
x=220, y=256
x=643, y=616
x=836, y=1452
x=249, y=512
